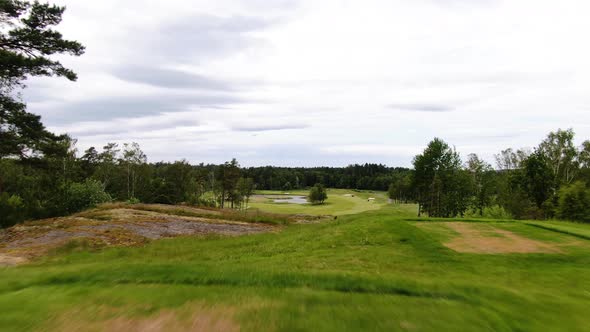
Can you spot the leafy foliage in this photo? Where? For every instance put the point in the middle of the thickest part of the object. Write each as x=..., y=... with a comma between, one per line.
x=27, y=40
x=441, y=184
x=574, y=202
x=85, y=195
x=11, y=209
x=317, y=194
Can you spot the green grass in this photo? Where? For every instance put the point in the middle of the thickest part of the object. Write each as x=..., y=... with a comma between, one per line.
x=337, y=203
x=371, y=271
x=575, y=229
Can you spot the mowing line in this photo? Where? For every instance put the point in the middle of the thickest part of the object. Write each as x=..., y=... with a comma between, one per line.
x=581, y=236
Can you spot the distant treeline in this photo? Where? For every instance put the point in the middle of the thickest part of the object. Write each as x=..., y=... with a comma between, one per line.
x=54, y=179
x=366, y=176
x=60, y=180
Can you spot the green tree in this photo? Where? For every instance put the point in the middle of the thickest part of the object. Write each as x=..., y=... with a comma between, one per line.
x=12, y=209
x=509, y=159
x=584, y=155
x=245, y=188
x=317, y=194
x=442, y=186
x=85, y=195
x=483, y=181
x=561, y=155
x=106, y=168
x=133, y=158
x=27, y=40
x=539, y=178
x=574, y=202
x=400, y=188
x=227, y=178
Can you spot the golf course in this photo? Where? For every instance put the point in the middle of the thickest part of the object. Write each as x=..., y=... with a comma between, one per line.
x=374, y=267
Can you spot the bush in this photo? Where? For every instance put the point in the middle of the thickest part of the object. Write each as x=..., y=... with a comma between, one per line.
x=11, y=210
x=85, y=195
x=133, y=200
x=574, y=202
x=490, y=212
x=195, y=200
x=317, y=194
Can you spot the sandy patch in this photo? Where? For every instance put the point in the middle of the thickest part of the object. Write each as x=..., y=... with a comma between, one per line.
x=478, y=238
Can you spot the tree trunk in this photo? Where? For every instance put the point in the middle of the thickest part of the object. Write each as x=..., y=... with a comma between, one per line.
x=128, y=189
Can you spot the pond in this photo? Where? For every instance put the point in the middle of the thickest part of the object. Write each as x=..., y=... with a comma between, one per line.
x=290, y=199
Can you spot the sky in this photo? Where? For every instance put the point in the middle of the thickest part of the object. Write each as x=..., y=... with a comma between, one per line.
x=319, y=82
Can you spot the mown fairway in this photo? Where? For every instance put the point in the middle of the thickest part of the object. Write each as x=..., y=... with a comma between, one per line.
x=378, y=270
x=339, y=202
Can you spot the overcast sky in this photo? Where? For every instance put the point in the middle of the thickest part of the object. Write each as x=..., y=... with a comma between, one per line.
x=320, y=82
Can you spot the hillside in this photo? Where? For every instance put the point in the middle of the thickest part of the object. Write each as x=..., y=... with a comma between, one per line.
x=378, y=270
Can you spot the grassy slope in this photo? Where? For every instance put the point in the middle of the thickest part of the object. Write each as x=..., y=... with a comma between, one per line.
x=336, y=204
x=372, y=271
x=576, y=229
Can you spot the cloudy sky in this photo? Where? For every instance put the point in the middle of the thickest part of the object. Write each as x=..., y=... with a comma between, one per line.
x=320, y=82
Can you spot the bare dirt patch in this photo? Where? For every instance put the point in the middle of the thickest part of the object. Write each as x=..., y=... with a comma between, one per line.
x=188, y=318
x=476, y=238
x=7, y=260
x=116, y=226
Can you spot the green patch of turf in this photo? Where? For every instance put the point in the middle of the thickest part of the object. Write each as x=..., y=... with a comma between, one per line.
x=339, y=202
x=575, y=229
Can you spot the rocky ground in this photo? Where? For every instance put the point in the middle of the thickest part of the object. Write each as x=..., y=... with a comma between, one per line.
x=117, y=225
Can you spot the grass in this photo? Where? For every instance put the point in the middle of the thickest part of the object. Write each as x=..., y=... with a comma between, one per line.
x=376, y=270
x=337, y=203
x=574, y=229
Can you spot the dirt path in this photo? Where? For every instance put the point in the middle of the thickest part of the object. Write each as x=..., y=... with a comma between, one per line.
x=476, y=238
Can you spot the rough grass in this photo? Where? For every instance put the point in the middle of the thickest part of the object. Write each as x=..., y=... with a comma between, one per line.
x=365, y=272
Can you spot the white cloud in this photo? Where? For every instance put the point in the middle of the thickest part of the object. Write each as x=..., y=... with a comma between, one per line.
x=321, y=82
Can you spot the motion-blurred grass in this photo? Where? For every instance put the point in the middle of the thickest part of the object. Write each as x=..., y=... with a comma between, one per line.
x=370, y=271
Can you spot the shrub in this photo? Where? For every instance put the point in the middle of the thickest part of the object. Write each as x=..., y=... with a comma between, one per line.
x=490, y=212
x=11, y=210
x=574, y=202
x=133, y=200
x=85, y=195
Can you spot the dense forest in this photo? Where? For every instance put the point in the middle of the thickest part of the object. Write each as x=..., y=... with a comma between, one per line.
x=43, y=174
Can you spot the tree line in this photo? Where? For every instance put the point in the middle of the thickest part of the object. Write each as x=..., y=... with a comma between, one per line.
x=549, y=181
x=365, y=176
x=67, y=180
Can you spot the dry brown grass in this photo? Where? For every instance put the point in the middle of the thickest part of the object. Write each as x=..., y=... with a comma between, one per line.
x=476, y=238
x=8, y=260
x=191, y=317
